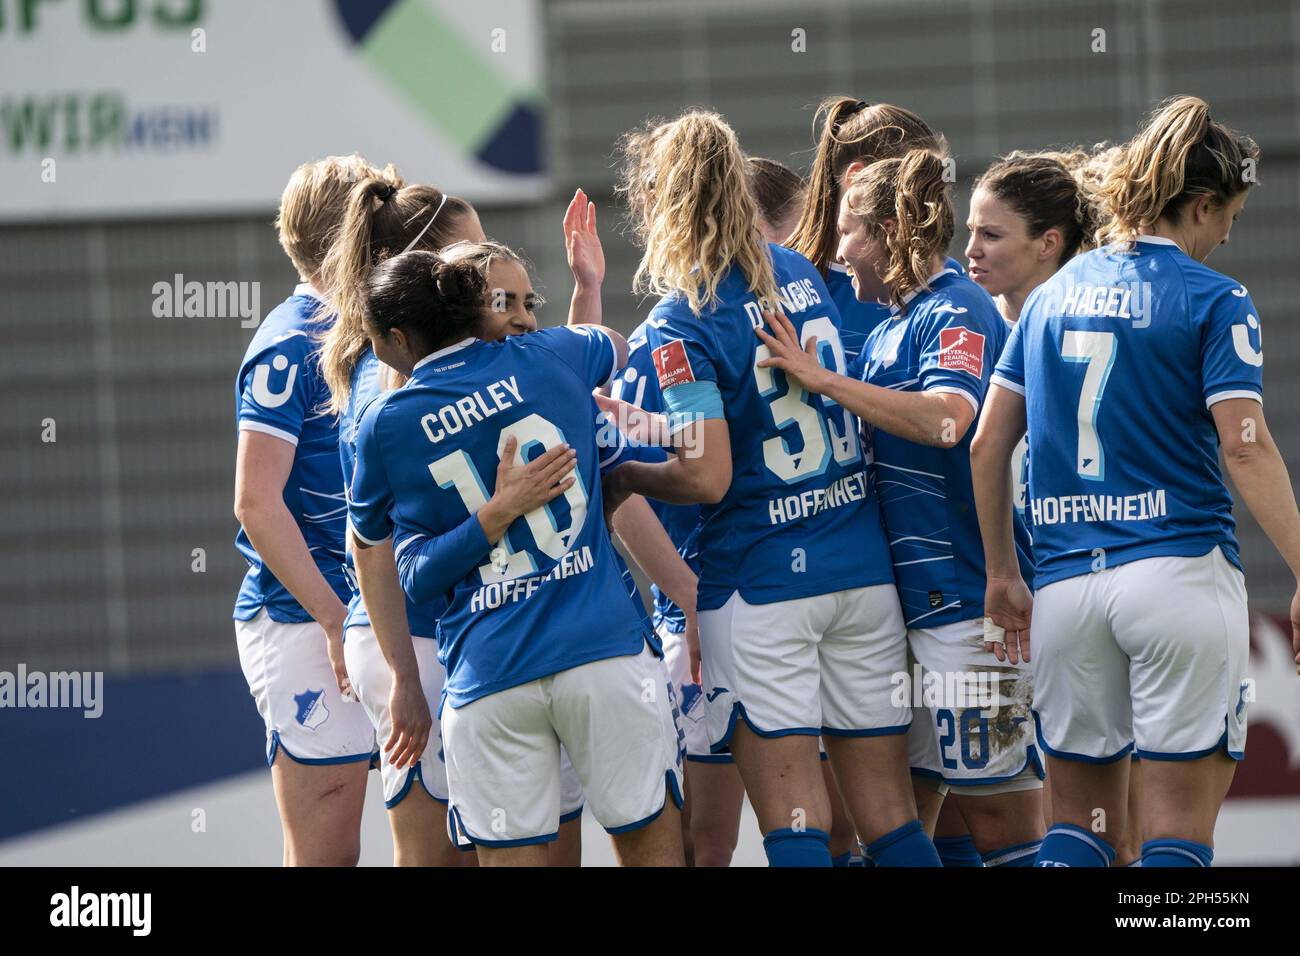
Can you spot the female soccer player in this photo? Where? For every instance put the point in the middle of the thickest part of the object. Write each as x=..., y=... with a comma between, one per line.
x=289, y=501
x=510, y=309
x=1133, y=367
x=854, y=134
x=800, y=627
x=383, y=214
x=917, y=387
x=380, y=220
x=714, y=792
x=541, y=642
x=1029, y=215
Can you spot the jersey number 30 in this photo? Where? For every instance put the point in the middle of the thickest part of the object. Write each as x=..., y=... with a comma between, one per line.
x=457, y=470
x=826, y=430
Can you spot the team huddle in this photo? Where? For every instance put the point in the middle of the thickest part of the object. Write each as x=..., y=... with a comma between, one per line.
x=857, y=474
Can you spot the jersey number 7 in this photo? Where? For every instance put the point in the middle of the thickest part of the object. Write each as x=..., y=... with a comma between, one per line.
x=1097, y=349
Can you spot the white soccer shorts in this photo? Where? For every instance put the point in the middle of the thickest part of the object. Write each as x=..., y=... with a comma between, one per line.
x=979, y=717
x=373, y=683
x=288, y=671
x=1151, y=654
x=815, y=665
x=615, y=719
x=690, y=700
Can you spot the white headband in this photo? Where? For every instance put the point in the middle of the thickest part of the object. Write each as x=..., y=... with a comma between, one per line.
x=412, y=243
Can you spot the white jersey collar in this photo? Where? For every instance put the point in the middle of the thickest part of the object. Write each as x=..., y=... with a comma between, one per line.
x=929, y=282
x=1159, y=241
x=305, y=288
x=463, y=343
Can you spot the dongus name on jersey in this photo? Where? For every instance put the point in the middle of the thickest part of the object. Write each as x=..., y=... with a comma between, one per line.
x=1065, y=509
x=471, y=409
x=816, y=500
x=497, y=593
x=794, y=296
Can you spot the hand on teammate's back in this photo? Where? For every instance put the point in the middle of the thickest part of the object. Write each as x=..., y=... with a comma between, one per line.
x=797, y=361
x=524, y=488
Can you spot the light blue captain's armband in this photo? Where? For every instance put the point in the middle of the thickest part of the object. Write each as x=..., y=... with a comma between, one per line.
x=691, y=402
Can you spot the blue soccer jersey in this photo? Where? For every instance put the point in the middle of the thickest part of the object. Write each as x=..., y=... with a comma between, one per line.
x=367, y=383
x=947, y=340
x=1120, y=356
x=280, y=392
x=551, y=595
x=638, y=384
x=857, y=319
x=800, y=517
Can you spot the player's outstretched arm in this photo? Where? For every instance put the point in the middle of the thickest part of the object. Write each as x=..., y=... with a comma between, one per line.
x=699, y=474
x=1007, y=599
x=262, y=467
x=1260, y=474
x=940, y=419
x=586, y=260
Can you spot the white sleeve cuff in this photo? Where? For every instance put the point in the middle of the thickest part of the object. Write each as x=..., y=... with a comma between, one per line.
x=1238, y=393
x=954, y=390
x=1006, y=383
x=249, y=425
x=364, y=540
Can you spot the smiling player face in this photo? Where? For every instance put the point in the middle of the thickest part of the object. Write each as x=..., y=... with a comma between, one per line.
x=865, y=255
x=510, y=304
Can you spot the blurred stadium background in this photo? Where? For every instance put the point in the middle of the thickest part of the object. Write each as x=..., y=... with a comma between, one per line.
x=98, y=563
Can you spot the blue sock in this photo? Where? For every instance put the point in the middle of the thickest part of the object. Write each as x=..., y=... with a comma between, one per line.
x=844, y=859
x=906, y=846
x=958, y=851
x=1175, y=853
x=1022, y=854
x=1068, y=845
x=789, y=847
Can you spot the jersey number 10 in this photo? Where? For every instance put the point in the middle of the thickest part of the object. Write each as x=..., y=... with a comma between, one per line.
x=457, y=470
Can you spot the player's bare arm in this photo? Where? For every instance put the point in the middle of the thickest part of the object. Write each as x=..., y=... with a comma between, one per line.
x=1260, y=474
x=1007, y=599
x=262, y=468
x=940, y=419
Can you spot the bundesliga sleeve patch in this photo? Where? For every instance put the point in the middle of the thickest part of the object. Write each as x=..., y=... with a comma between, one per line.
x=962, y=350
x=673, y=364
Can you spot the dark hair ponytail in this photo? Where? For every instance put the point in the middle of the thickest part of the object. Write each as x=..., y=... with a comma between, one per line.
x=436, y=301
